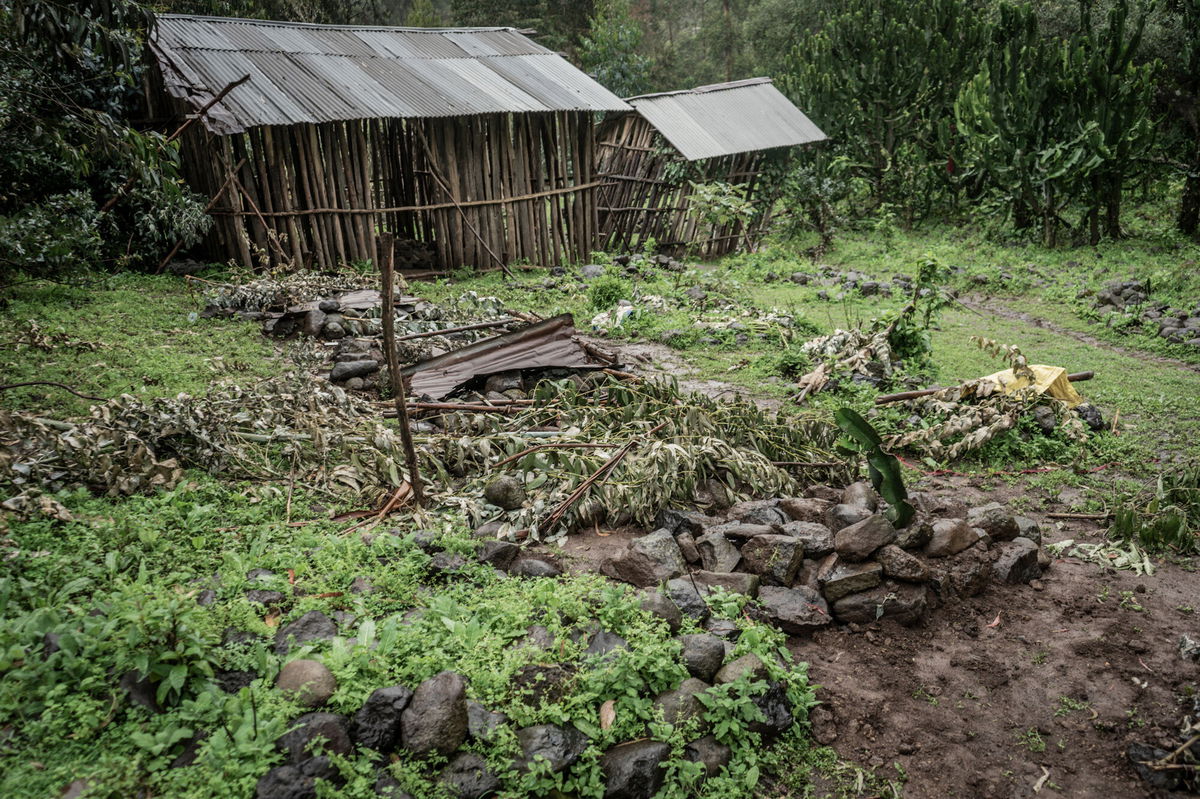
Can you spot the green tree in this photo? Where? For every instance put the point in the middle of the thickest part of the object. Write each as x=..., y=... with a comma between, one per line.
x=1048, y=123
x=880, y=77
x=82, y=186
x=1188, y=115
x=609, y=51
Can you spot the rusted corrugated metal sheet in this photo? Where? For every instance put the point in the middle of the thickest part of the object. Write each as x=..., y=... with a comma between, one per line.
x=727, y=118
x=325, y=73
x=546, y=344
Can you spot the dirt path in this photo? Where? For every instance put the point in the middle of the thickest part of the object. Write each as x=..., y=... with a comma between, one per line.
x=985, y=305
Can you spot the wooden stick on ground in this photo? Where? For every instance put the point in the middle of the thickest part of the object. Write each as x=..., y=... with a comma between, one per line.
x=388, y=242
x=1078, y=377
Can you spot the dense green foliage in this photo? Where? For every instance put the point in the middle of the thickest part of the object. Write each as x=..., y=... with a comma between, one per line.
x=115, y=590
x=83, y=186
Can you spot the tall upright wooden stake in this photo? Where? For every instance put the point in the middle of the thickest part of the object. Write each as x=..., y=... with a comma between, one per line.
x=387, y=243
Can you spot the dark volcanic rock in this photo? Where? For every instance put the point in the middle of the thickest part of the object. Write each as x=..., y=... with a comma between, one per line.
x=533, y=567
x=312, y=626
x=776, y=711
x=845, y=515
x=436, y=717
x=747, y=664
x=481, y=722
x=737, y=582
x=903, y=603
x=348, y=369
x=506, y=492
x=309, y=680
x=310, y=728
x=560, y=746
x=604, y=643
x=1018, y=561
x=467, y=776
x=794, y=610
x=681, y=704
x=840, y=579
x=447, y=563
x=377, y=723
x=684, y=521
x=647, y=561
x=740, y=531
x=995, y=520
x=687, y=547
x=703, y=654
x=806, y=509
x=775, y=558
x=709, y=751
x=687, y=598
x=950, y=536
x=498, y=553
x=295, y=782
x=260, y=596
x=901, y=565
x=658, y=604
x=858, y=541
x=816, y=538
x=634, y=770
x=717, y=554
x=761, y=511
x=916, y=535
x=861, y=495
x=388, y=786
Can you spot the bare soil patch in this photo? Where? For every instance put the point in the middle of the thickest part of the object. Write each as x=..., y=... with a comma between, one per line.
x=963, y=706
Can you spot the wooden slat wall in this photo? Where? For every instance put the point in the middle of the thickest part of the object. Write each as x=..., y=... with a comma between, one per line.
x=480, y=190
x=646, y=200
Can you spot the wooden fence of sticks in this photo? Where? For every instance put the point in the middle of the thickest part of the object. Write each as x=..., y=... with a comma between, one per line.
x=649, y=193
x=481, y=191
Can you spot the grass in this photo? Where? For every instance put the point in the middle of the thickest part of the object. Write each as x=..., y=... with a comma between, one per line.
x=148, y=336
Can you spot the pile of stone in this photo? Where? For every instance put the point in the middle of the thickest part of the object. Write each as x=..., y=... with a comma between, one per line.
x=634, y=264
x=1176, y=325
x=438, y=718
x=832, y=556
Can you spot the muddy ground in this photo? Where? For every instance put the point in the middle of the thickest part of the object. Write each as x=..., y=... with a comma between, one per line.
x=967, y=709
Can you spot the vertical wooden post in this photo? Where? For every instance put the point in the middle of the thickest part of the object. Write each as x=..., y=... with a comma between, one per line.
x=387, y=242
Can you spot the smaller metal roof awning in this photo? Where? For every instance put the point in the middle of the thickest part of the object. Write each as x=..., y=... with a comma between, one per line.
x=727, y=119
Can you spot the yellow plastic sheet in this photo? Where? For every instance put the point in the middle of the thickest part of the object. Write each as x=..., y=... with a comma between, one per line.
x=1050, y=380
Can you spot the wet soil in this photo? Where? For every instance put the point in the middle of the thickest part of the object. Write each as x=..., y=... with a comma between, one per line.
x=968, y=709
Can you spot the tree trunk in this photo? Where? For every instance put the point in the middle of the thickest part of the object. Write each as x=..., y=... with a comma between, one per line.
x=1112, y=207
x=1189, y=208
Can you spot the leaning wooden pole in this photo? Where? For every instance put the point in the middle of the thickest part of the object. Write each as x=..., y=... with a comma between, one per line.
x=387, y=242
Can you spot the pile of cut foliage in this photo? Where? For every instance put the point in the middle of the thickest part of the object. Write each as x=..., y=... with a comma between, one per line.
x=306, y=432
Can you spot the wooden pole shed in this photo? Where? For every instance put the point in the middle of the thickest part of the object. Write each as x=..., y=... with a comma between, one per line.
x=649, y=158
x=474, y=144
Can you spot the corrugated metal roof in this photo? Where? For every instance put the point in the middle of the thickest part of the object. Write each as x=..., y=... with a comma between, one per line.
x=324, y=73
x=727, y=118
